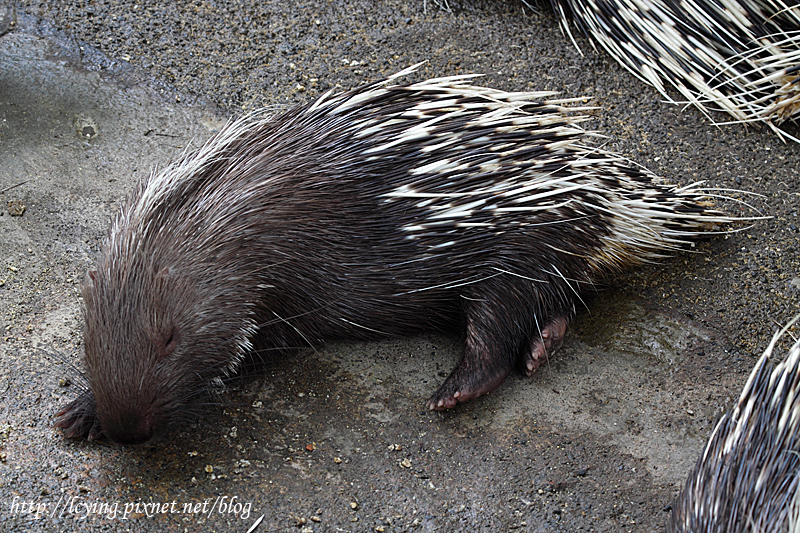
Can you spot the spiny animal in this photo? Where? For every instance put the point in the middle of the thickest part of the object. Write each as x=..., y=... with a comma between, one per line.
x=748, y=476
x=385, y=210
x=738, y=56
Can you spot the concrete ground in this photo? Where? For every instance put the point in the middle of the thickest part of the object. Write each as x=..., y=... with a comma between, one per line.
x=93, y=95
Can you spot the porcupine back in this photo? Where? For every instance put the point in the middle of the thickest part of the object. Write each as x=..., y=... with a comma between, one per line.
x=384, y=210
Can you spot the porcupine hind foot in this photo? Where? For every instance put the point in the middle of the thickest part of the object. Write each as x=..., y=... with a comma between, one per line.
x=79, y=418
x=475, y=375
x=485, y=364
x=487, y=357
x=545, y=345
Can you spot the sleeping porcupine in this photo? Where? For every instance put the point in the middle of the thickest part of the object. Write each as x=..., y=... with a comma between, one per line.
x=385, y=210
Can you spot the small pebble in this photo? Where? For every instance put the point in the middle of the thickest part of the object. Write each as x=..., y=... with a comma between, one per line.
x=16, y=208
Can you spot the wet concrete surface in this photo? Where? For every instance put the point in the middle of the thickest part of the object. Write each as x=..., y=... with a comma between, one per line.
x=94, y=95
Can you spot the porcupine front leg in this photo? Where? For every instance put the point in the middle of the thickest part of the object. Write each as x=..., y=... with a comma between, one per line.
x=79, y=419
x=489, y=354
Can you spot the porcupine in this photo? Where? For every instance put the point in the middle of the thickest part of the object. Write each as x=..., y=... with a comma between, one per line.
x=741, y=57
x=748, y=477
x=385, y=210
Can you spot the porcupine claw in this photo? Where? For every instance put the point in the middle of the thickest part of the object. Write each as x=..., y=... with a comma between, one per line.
x=466, y=383
x=542, y=347
x=79, y=419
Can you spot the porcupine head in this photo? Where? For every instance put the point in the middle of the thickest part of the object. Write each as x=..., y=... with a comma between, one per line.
x=160, y=321
x=147, y=354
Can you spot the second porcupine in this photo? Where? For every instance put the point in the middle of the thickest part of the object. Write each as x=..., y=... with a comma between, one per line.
x=748, y=477
x=384, y=210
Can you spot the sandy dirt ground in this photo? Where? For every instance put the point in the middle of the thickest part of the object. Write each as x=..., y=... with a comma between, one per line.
x=95, y=94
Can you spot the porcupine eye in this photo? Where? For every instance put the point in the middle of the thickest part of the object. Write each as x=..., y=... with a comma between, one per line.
x=168, y=342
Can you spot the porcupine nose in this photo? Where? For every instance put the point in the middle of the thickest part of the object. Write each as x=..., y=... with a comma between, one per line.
x=129, y=428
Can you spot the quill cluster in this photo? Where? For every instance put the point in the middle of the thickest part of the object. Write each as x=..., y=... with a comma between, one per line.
x=741, y=57
x=748, y=476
